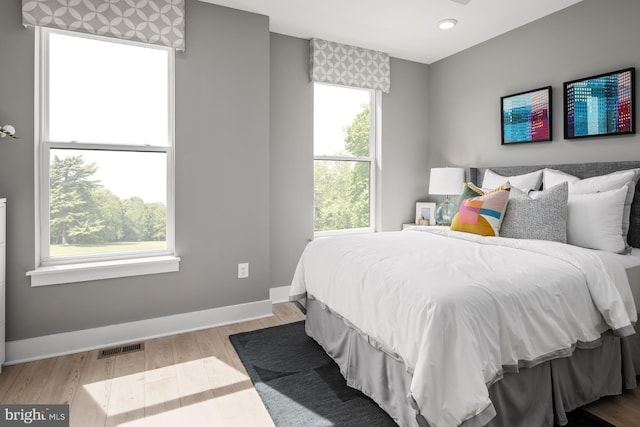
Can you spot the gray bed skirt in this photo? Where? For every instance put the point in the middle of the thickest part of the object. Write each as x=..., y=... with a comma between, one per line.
x=535, y=396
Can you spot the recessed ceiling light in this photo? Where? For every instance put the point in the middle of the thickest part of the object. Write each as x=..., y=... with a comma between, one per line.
x=447, y=24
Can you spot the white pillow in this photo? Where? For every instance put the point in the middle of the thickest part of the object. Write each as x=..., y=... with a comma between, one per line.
x=594, y=184
x=526, y=182
x=593, y=220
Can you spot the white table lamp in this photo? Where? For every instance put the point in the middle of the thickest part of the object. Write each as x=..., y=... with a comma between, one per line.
x=446, y=182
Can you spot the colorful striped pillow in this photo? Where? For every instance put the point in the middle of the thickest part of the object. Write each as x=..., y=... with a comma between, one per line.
x=483, y=214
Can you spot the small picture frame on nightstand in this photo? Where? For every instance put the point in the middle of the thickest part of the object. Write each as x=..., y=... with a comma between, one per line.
x=425, y=213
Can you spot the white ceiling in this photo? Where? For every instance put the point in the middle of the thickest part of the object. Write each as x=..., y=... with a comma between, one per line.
x=406, y=29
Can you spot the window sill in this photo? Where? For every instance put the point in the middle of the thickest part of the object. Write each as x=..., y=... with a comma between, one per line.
x=54, y=275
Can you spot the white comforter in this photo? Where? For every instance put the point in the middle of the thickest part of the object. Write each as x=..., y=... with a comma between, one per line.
x=458, y=309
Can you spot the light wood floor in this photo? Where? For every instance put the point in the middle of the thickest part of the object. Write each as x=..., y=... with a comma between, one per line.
x=621, y=411
x=191, y=380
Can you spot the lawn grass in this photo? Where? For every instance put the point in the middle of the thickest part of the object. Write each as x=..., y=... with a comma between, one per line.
x=65, y=250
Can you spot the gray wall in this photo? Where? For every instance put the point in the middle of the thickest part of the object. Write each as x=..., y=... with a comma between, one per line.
x=589, y=38
x=222, y=181
x=404, y=143
x=404, y=150
x=244, y=180
x=291, y=155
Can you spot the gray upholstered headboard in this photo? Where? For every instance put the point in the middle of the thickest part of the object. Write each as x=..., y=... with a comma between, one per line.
x=581, y=170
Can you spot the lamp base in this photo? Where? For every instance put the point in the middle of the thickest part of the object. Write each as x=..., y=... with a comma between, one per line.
x=445, y=212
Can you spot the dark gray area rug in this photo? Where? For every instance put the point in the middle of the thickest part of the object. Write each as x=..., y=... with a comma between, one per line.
x=299, y=384
x=302, y=387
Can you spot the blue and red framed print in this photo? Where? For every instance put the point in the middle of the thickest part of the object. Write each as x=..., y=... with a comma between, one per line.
x=526, y=116
x=601, y=105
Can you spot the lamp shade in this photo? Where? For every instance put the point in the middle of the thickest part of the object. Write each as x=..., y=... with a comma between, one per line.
x=446, y=181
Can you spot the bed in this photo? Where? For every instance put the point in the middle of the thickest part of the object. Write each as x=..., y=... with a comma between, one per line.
x=443, y=328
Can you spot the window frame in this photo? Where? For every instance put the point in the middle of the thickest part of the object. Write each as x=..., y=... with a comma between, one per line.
x=42, y=150
x=375, y=114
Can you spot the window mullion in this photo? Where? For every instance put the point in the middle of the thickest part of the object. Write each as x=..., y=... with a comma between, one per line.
x=106, y=147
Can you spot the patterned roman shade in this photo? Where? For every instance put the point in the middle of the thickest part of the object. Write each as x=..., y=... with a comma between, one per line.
x=149, y=21
x=350, y=66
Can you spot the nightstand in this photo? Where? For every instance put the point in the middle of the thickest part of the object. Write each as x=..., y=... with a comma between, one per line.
x=410, y=224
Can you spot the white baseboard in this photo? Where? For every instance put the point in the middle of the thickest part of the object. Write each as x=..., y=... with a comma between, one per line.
x=280, y=294
x=29, y=349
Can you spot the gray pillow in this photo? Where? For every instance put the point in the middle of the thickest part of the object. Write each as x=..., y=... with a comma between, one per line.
x=538, y=215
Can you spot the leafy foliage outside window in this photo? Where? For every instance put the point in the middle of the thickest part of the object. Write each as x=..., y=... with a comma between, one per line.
x=82, y=211
x=342, y=187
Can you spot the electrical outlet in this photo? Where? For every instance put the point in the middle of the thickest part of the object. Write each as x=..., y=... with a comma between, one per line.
x=243, y=270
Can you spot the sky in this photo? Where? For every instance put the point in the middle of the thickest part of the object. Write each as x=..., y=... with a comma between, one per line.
x=120, y=172
x=112, y=93
x=334, y=110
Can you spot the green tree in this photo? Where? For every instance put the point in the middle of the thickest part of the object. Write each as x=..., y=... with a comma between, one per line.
x=333, y=195
x=357, y=143
x=84, y=211
x=73, y=209
x=133, y=219
x=342, y=188
x=110, y=207
x=357, y=134
x=155, y=221
x=143, y=221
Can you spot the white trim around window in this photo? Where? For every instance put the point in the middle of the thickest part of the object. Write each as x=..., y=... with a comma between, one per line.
x=64, y=269
x=374, y=160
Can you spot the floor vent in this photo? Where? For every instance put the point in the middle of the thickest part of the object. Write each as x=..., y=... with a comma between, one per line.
x=123, y=349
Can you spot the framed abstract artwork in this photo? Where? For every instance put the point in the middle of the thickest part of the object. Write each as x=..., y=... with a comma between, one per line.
x=526, y=116
x=600, y=105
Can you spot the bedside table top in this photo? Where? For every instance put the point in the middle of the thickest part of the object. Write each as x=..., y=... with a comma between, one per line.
x=410, y=224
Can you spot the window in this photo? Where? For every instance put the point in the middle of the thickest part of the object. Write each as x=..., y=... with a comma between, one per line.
x=344, y=145
x=105, y=149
